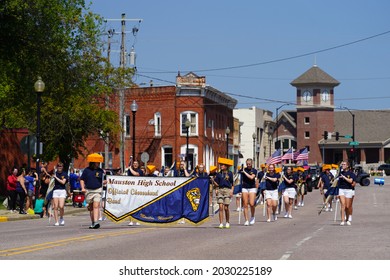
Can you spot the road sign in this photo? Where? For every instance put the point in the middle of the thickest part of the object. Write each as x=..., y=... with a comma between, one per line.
x=145, y=157
x=354, y=143
x=348, y=136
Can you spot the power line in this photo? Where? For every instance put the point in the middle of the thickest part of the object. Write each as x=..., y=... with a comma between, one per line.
x=279, y=59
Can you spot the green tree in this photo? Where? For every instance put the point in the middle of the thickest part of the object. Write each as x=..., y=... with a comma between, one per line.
x=59, y=40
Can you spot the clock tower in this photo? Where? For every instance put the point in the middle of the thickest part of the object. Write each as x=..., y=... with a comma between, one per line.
x=315, y=109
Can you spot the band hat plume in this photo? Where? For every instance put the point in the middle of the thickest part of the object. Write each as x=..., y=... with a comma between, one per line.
x=95, y=157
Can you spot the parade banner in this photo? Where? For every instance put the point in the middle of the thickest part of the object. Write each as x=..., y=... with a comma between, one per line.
x=157, y=200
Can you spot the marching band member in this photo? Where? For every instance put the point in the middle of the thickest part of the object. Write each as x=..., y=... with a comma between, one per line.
x=224, y=191
x=324, y=183
x=91, y=182
x=346, y=181
x=301, y=186
x=249, y=191
x=271, y=191
x=289, y=192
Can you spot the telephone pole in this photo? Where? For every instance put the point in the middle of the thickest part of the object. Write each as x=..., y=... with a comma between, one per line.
x=122, y=63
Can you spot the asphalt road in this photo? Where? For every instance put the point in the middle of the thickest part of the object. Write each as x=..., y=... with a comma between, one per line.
x=308, y=236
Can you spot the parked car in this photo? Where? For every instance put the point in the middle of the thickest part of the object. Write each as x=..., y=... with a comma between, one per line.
x=362, y=177
x=385, y=168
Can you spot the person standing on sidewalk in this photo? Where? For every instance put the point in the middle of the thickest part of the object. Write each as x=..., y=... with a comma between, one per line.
x=12, y=181
x=21, y=189
x=59, y=194
x=91, y=182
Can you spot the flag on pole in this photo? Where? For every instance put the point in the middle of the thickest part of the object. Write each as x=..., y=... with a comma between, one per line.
x=276, y=157
x=303, y=155
x=288, y=155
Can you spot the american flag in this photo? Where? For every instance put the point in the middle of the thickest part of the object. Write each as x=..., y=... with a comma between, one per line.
x=288, y=155
x=276, y=157
x=303, y=154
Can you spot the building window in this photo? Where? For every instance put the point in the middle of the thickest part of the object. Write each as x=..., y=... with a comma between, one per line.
x=192, y=155
x=307, y=120
x=167, y=156
x=127, y=125
x=307, y=134
x=157, y=124
x=193, y=118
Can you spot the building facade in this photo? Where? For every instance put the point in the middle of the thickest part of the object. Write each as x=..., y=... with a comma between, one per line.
x=160, y=125
x=256, y=133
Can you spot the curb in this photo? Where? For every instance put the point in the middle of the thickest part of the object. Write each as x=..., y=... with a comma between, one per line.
x=71, y=211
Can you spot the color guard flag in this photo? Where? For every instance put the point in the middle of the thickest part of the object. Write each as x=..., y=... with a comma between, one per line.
x=276, y=157
x=288, y=155
x=303, y=155
x=157, y=200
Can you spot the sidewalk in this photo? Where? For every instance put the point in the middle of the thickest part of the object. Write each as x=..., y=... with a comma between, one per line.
x=7, y=216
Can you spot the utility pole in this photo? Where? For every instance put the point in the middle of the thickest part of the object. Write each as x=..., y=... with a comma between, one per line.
x=110, y=33
x=122, y=63
x=122, y=96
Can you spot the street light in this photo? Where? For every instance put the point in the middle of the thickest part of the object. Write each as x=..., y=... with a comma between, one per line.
x=353, y=135
x=187, y=125
x=39, y=87
x=227, y=131
x=134, y=108
x=254, y=146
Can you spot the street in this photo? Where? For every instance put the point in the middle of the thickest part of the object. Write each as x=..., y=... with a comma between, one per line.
x=308, y=236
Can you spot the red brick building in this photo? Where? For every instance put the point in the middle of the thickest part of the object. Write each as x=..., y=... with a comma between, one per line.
x=160, y=129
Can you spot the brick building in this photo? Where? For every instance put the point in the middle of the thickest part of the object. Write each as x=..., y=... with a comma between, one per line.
x=315, y=113
x=160, y=124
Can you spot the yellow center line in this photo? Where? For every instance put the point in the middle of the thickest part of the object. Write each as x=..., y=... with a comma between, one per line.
x=64, y=242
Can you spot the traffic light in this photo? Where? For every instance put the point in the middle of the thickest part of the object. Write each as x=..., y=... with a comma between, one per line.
x=325, y=135
x=337, y=136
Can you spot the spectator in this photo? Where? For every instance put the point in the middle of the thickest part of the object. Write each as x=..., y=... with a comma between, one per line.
x=31, y=179
x=12, y=180
x=21, y=189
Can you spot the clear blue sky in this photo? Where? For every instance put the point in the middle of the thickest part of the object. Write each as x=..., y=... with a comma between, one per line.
x=204, y=35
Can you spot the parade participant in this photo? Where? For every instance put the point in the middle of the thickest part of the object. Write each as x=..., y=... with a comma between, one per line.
x=345, y=184
x=134, y=170
x=237, y=191
x=12, y=181
x=249, y=191
x=45, y=179
x=324, y=184
x=91, y=182
x=212, y=186
x=59, y=193
x=260, y=192
x=301, y=187
x=271, y=192
x=201, y=172
x=183, y=172
x=21, y=189
x=289, y=192
x=224, y=191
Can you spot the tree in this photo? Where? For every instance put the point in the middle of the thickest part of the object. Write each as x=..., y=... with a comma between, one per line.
x=59, y=41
